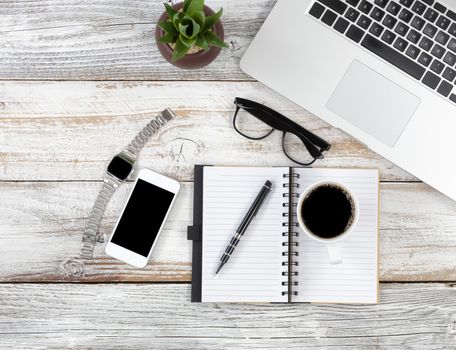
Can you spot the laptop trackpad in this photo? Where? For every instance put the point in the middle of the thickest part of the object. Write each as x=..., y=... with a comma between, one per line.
x=373, y=103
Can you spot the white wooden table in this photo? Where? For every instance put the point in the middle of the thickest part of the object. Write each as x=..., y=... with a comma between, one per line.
x=78, y=79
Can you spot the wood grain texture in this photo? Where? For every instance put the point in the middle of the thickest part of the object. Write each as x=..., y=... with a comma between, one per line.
x=111, y=40
x=130, y=316
x=57, y=136
x=70, y=130
x=41, y=226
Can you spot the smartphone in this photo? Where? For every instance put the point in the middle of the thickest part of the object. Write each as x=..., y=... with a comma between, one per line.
x=143, y=216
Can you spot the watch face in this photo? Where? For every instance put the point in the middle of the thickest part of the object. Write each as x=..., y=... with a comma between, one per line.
x=120, y=168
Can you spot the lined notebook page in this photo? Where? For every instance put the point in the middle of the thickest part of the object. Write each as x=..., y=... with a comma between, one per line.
x=355, y=280
x=254, y=271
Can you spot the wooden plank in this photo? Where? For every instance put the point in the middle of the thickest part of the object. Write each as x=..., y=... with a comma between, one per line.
x=41, y=226
x=131, y=316
x=111, y=40
x=70, y=130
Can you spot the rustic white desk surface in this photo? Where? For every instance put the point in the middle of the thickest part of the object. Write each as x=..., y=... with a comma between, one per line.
x=78, y=79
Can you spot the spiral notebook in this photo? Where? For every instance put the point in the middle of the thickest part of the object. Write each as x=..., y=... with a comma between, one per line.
x=275, y=261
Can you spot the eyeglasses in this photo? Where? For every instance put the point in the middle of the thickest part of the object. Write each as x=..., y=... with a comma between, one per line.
x=299, y=145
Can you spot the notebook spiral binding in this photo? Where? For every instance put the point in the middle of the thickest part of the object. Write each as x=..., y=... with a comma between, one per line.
x=288, y=214
x=285, y=176
x=291, y=185
x=286, y=205
x=290, y=195
x=289, y=234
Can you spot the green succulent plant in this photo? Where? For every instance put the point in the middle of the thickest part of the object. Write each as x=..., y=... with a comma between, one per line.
x=190, y=27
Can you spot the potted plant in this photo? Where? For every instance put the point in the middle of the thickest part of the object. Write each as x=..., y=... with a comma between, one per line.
x=189, y=34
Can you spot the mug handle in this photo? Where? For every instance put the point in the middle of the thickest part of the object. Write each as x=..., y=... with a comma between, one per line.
x=334, y=254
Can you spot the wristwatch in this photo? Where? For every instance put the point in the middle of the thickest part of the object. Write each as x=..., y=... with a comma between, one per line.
x=117, y=172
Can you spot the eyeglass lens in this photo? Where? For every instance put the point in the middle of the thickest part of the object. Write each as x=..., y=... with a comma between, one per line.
x=295, y=149
x=249, y=126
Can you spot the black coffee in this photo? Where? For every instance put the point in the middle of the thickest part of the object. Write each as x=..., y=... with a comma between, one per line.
x=327, y=211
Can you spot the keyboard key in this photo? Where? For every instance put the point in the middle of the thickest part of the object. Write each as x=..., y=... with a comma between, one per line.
x=450, y=59
x=401, y=29
x=445, y=88
x=381, y=3
x=355, y=33
x=452, y=29
x=440, y=7
x=431, y=15
x=452, y=15
x=388, y=37
x=365, y=6
x=442, y=37
x=430, y=30
x=452, y=45
x=426, y=44
x=389, y=21
x=418, y=22
x=341, y=25
x=453, y=98
x=329, y=17
x=393, y=8
x=317, y=10
x=406, y=3
x=431, y=80
x=395, y=58
x=335, y=5
x=414, y=36
x=449, y=74
x=438, y=51
x=354, y=3
x=425, y=59
x=429, y=2
x=364, y=22
x=405, y=15
x=377, y=14
x=418, y=7
x=400, y=44
x=352, y=14
x=376, y=29
x=443, y=22
x=412, y=51
x=437, y=66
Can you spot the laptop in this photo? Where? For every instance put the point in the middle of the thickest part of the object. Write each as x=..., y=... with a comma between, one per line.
x=381, y=70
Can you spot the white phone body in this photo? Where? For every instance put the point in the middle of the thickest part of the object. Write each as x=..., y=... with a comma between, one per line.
x=147, y=182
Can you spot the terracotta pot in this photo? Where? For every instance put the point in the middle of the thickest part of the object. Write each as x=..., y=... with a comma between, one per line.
x=195, y=60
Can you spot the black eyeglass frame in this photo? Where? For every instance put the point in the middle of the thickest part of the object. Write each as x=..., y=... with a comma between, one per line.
x=314, y=144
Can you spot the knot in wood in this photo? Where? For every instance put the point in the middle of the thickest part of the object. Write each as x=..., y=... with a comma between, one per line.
x=234, y=46
x=101, y=238
x=73, y=268
x=452, y=326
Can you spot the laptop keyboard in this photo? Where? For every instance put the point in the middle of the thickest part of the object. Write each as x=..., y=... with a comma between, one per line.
x=416, y=36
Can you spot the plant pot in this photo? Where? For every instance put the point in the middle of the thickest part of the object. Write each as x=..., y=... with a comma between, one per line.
x=191, y=61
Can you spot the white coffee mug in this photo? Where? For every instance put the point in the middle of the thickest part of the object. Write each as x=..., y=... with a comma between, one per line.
x=332, y=244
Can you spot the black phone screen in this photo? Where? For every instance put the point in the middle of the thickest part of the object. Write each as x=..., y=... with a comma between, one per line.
x=142, y=218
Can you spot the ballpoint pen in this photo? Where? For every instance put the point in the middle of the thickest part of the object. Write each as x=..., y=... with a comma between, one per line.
x=265, y=190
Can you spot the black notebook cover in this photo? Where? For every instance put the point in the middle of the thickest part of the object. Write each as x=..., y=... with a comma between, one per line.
x=194, y=233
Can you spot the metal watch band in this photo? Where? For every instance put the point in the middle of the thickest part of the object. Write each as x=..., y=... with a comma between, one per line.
x=111, y=183
x=90, y=233
x=135, y=146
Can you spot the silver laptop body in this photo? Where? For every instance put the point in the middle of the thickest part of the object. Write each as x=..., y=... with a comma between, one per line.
x=362, y=67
